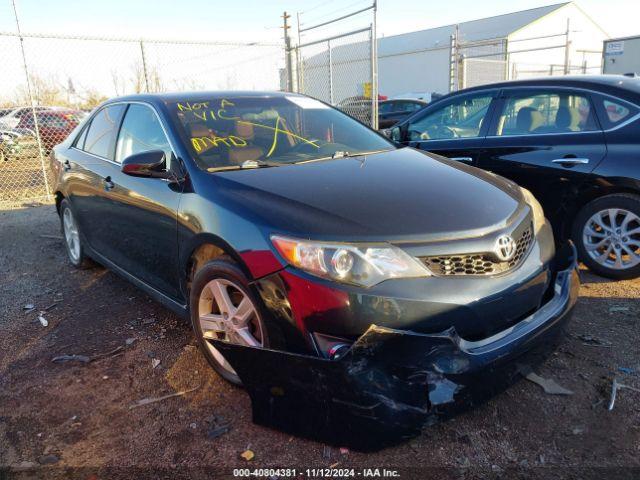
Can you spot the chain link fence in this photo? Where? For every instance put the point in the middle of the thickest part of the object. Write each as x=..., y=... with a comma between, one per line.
x=338, y=65
x=49, y=83
x=338, y=70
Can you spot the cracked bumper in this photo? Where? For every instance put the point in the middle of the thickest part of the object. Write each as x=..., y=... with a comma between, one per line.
x=393, y=382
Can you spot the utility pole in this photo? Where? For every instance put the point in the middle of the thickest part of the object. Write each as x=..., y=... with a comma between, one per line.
x=287, y=49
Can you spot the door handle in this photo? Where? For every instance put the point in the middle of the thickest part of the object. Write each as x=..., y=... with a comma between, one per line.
x=107, y=183
x=570, y=161
x=462, y=159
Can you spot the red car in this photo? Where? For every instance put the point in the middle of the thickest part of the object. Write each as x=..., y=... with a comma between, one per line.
x=54, y=125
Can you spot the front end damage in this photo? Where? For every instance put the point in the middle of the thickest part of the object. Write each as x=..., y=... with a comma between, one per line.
x=392, y=383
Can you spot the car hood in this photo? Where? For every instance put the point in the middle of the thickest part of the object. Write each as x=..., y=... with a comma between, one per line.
x=399, y=195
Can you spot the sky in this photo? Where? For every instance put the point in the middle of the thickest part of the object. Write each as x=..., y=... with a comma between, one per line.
x=261, y=19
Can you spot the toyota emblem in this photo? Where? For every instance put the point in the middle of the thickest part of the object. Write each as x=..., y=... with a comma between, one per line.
x=505, y=248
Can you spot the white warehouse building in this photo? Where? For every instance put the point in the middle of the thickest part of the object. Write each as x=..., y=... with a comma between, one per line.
x=515, y=45
x=550, y=40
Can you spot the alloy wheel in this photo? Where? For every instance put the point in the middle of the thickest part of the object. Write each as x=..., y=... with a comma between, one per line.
x=611, y=237
x=71, y=234
x=226, y=313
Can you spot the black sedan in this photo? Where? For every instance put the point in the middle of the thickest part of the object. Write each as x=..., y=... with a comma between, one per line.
x=273, y=220
x=574, y=142
x=393, y=111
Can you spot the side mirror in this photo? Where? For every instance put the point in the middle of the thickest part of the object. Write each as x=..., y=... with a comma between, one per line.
x=395, y=134
x=146, y=164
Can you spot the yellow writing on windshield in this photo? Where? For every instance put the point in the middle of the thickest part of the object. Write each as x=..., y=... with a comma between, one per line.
x=201, y=143
x=189, y=107
x=277, y=130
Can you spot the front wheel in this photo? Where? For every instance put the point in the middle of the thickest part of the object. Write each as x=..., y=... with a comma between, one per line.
x=607, y=234
x=223, y=307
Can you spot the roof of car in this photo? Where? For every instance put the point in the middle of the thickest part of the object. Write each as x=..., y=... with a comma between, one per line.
x=200, y=95
x=615, y=81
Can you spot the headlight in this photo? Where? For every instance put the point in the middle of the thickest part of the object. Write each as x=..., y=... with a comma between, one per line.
x=538, y=214
x=364, y=265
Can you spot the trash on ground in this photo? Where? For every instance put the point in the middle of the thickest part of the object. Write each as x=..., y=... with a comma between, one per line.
x=217, y=431
x=149, y=400
x=71, y=358
x=247, y=455
x=43, y=321
x=628, y=371
x=593, y=341
x=29, y=306
x=193, y=425
x=48, y=459
x=326, y=452
x=549, y=385
x=110, y=353
x=618, y=308
x=344, y=451
x=129, y=341
x=155, y=362
x=615, y=386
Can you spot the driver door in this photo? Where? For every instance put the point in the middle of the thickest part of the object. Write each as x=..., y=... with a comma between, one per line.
x=454, y=128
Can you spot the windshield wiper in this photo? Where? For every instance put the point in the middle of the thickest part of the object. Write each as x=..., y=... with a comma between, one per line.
x=247, y=164
x=342, y=154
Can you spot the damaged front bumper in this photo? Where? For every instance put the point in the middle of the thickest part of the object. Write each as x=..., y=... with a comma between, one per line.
x=392, y=383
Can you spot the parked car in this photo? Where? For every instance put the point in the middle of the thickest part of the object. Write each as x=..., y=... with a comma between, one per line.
x=391, y=112
x=574, y=142
x=17, y=143
x=54, y=123
x=274, y=220
x=358, y=107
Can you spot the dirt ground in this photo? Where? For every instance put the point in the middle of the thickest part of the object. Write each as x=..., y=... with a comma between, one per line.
x=74, y=417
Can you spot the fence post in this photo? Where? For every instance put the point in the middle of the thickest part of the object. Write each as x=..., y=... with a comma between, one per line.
x=374, y=68
x=33, y=106
x=567, y=49
x=144, y=66
x=287, y=50
x=330, y=72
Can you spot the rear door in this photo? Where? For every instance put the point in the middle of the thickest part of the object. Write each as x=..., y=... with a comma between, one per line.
x=548, y=140
x=454, y=128
x=87, y=164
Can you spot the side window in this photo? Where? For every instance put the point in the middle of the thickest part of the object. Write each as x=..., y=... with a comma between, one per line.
x=460, y=118
x=613, y=113
x=552, y=112
x=140, y=132
x=79, y=143
x=387, y=107
x=101, y=134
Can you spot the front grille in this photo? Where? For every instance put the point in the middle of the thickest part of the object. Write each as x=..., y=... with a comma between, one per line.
x=480, y=263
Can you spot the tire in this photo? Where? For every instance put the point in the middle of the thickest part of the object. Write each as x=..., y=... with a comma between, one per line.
x=223, y=273
x=72, y=237
x=622, y=242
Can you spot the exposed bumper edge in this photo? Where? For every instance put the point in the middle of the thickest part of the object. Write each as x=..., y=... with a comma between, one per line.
x=392, y=383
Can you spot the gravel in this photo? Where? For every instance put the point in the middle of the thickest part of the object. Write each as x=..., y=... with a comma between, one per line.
x=75, y=414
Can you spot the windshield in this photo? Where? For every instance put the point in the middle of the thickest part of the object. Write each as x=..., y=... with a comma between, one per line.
x=233, y=132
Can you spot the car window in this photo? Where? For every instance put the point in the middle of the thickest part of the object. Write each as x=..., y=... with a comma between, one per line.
x=228, y=132
x=141, y=132
x=79, y=142
x=101, y=134
x=412, y=107
x=386, y=107
x=615, y=112
x=551, y=112
x=459, y=118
